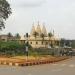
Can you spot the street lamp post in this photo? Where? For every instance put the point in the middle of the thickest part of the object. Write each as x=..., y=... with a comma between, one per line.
x=27, y=45
x=27, y=52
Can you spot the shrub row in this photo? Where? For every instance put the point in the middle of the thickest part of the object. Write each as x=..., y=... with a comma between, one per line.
x=12, y=48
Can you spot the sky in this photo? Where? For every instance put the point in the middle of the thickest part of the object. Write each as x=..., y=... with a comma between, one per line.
x=57, y=15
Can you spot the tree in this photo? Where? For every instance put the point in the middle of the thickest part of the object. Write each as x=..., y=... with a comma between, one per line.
x=17, y=36
x=42, y=35
x=50, y=35
x=27, y=35
x=62, y=42
x=9, y=35
x=5, y=11
x=35, y=34
x=68, y=43
x=73, y=43
x=11, y=48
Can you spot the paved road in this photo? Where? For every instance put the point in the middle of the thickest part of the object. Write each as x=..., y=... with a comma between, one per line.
x=66, y=67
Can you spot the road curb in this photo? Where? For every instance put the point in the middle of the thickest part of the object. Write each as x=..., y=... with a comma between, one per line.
x=30, y=63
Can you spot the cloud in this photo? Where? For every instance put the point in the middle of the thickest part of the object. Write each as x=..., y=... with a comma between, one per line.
x=57, y=14
x=28, y=3
x=34, y=4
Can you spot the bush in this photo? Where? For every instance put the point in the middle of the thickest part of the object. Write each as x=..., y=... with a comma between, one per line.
x=12, y=48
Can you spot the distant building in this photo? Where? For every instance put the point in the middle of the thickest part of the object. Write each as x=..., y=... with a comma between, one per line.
x=5, y=38
x=39, y=38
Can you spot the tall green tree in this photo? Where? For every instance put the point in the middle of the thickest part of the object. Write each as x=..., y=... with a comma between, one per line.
x=35, y=34
x=9, y=35
x=50, y=35
x=17, y=36
x=42, y=36
x=62, y=42
x=5, y=11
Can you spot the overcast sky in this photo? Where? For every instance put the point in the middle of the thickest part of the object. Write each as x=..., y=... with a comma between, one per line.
x=55, y=14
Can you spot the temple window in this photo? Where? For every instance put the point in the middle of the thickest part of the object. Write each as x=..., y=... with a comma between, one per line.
x=42, y=42
x=36, y=42
x=30, y=42
x=46, y=43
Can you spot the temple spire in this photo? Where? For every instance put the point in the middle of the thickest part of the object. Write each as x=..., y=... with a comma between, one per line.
x=33, y=30
x=38, y=29
x=44, y=30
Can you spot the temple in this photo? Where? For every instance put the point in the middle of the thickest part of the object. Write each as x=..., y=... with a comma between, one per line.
x=40, y=38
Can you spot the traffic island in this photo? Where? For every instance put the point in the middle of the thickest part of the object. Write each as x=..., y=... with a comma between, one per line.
x=30, y=61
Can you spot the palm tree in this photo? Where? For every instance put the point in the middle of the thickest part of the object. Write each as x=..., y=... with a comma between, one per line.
x=5, y=11
x=50, y=35
x=17, y=36
x=42, y=35
x=9, y=35
x=35, y=34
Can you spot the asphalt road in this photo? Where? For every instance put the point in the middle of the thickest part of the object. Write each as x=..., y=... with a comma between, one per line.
x=66, y=67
